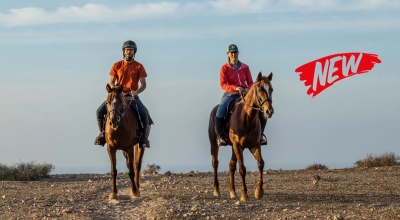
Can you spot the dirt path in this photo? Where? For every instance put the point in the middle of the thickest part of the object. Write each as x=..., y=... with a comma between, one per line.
x=341, y=194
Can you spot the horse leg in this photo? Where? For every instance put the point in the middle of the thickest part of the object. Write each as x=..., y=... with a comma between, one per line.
x=113, y=160
x=259, y=193
x=129, y=164
x=214, y=156
x=138, y=166
x=242, y=170
x=232, y=170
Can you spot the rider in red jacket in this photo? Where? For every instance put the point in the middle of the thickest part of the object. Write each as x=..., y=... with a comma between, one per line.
x=235, y=76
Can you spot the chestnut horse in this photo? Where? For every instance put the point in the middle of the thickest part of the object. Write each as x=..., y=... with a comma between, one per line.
x=121, y=133
x=244, y=132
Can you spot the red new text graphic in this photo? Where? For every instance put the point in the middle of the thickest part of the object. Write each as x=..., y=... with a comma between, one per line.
x=322, y=73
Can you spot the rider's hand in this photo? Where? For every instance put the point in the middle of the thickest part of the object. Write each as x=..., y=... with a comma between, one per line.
x=134, y=93
x=239, y=89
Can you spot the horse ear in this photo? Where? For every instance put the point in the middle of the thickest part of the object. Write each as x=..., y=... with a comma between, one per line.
x=270, y=77
x=108, y=88
x=259, y=77
x=120, y=89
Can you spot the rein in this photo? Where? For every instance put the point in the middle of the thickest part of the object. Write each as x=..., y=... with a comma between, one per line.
x=124, y=109
x=260, y=103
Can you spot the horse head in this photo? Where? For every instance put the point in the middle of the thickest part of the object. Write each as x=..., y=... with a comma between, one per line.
x=262, y=94
x=116, y=105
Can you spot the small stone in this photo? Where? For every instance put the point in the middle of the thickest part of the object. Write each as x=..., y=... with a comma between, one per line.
x=237, y=203
x=35, y=216
x=338, y=217
x=4, y=196
x=67, y=210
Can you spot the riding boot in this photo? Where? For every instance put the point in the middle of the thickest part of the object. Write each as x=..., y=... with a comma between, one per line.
x=263, y=139
x=219, y=126
x=101, y=139
x=144, y=138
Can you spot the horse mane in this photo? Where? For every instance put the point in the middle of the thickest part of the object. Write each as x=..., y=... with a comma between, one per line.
x=118, y=96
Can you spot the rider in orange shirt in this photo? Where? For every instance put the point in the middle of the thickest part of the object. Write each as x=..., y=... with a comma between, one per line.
x=235, y=76
x=128, y=72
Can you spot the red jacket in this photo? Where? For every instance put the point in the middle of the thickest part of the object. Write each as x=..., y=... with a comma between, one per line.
x=230, y=79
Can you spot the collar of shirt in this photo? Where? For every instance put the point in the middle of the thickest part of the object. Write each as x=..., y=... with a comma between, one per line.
x=238, y=66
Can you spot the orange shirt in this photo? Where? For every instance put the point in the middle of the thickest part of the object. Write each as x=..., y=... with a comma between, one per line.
x=128, y=74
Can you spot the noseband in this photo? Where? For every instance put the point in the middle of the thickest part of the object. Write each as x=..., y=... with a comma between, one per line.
x=121, y=112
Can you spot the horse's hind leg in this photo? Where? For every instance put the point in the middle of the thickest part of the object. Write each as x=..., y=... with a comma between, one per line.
x=215, y=162
x=232, y=170
x=138, y=165
x=259, y=193
x=242, y=170
x=129, y=164
x=113, y=160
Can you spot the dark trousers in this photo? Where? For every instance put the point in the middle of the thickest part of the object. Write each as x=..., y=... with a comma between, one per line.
x=135, y=104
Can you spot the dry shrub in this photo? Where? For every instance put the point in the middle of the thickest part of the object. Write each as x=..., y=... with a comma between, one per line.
x=386, y=159
x=316, y=166
x=151, y=169
x=30, y=171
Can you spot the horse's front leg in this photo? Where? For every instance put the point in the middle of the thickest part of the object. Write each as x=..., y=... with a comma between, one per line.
x=256, y=151
x=138, y=166
x=113, y=161
x=232, y=170
x=129, y=164
x=242, y=170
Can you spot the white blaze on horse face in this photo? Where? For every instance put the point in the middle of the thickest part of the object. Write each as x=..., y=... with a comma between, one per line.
x=114, y=100
x=266, y=87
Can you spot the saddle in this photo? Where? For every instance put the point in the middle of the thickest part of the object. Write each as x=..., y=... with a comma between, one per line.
x=135, y=110
x=229, y=110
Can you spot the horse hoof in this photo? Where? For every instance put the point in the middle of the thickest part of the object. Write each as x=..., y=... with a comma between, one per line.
x=135, y=195
x=113, y=196
x=233, y=195
x=217, y=194
x=244, y=198
x=259, y=193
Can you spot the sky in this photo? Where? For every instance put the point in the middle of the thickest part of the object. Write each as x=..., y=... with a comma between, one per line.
x=55, y=58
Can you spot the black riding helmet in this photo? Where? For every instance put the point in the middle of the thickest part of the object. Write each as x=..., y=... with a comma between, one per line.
x=129, y=43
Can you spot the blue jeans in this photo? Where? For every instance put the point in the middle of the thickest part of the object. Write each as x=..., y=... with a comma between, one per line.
x=144, y=114
x=222, y=108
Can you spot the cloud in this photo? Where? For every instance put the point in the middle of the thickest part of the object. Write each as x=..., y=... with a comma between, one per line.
x=106, y=34
x=106, y=14
x=93, y=13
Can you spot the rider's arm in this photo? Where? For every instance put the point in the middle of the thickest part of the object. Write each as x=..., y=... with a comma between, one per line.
x=223, y=81
x=142, y=86
x=112, y=81
x=249, y=79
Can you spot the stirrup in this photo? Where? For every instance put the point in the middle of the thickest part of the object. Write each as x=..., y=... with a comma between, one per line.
x=221, y=141
x=100, y=140
x=143, y=141
x=263, y=141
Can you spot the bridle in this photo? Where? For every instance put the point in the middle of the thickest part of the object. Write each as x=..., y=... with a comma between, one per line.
x=260, y=103
x=121, y=112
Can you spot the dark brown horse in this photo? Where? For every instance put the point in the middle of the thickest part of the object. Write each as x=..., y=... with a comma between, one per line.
x=121, y=133
x=244, y=132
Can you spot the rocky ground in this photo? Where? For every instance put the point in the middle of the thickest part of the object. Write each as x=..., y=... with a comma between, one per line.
x=370, y=193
